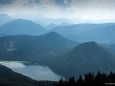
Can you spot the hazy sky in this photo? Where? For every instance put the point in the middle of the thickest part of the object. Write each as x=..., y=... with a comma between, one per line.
x=80, y=9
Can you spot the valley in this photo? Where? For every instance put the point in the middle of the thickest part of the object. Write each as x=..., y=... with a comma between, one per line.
x=44, y=55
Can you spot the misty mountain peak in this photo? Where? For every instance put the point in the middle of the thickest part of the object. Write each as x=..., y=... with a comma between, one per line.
x=22, y=27
x=53, y=34
x=22, y=21
x=88, y=45
x=89, y=48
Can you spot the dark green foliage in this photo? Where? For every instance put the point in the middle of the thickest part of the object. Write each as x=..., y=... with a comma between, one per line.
x=100, y=79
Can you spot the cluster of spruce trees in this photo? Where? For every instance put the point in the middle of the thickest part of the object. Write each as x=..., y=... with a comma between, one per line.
x=10, y=78
x=90, y=79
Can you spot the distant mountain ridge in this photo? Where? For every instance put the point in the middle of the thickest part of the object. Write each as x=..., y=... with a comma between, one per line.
x=21, y=27
x=100, y=33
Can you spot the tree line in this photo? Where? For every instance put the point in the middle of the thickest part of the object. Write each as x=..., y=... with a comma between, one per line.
x=90, y=79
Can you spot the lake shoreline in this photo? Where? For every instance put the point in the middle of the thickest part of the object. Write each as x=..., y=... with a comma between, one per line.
x=33, y=70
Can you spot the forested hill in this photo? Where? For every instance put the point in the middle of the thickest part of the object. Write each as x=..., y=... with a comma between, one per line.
x=34, y=48
x=84, y=58
x=10, y=78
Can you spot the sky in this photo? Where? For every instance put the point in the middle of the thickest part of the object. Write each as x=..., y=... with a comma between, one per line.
x=94, y=10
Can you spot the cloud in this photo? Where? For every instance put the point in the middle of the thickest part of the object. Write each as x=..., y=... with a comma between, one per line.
x=6, y=2
x=34, y=1
x=63, y=3
x=110, y=4
x=84, y=9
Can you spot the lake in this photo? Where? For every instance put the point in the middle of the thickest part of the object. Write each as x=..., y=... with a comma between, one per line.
x=32, y=70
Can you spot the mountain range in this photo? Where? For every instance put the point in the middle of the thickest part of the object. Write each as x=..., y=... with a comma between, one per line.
x=24, y=40
x=34, y=48
x=21, y=27
x=100, y=33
